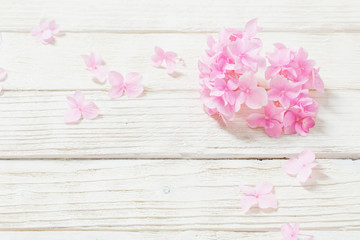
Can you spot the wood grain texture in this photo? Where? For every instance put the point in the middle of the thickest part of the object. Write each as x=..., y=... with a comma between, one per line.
x=168, y=124
x=33, y=66
x=181, y=16
x=203, y=195
x=166, y=235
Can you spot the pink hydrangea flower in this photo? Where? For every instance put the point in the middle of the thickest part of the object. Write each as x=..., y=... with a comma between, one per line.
x=291, y=76
x=260, y=196
x=289, y=232
x=3, y=75
x=271, y=120
x=283, y=90
x=249, y=93
x=294, y=65
x=302, y=166
x=80, y=108
x=46, y=31
x=226, y=72
x=131, y=85
x=94, y=64
x=170, y=59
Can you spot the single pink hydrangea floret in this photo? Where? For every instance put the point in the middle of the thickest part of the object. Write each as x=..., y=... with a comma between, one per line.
x=289, y=232
x=94, y=64
x=131, y=85
x=260, y=196
x=302, y=166
x=46, y=31
x=80, y=108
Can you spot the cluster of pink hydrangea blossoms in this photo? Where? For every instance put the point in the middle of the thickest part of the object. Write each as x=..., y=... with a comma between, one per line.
x=227, y=72
x=290, y=109
x=227, y=81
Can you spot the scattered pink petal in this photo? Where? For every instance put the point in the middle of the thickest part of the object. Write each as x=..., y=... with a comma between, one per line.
x=131, y=85
x=289, y=232
x=260, y=196
x=302, y=166
x=94, y=64
x=170, y=59
x=46, y=31
x=80, y=108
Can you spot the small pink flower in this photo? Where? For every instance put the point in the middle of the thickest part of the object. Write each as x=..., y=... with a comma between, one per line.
x=94, y=64
x=302, y=166
x=3, y=75
x=294, y=123
x=79, y=108
x=305, y=106
x=260, y=196
x=271, y=121
x=283, y=90
x=292, y=233
x=46, y=31
x=255, y=97
x=160, y=56
x=131, y=85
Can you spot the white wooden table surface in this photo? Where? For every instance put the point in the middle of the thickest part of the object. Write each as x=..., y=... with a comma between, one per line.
x=107, y=179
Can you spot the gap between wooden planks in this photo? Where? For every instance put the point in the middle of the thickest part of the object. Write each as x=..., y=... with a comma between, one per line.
x=33, y=66
x=182, y=16
x=163, y=235
x=164, y=124
x=203, y=195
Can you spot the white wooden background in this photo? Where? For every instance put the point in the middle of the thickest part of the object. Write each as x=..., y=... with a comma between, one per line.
x=107, y=179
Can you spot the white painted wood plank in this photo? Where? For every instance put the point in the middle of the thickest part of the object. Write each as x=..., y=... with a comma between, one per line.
x=182, y=16
x=203, y=195
x=175, y=235
x=167, y=124
x=34, y=66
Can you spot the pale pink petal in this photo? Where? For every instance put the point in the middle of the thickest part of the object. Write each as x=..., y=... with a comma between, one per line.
x=133, y=87
x=251, y=27
x=72, y=115
x=171, y=55
x=87, y=61
x=264, y=188
x=286, y=231
x=116, y=92
x=72, y=102
x=170, y=66
x=256, y=98
x=304, y=174
x=247, y=81
x=3, y=74
x=255, y=120
x=292, y=166
x=271, y=71
x=90, y=111
x=300, y=130
x=275, y=130
x=158, y=57
x=307, y=156
x=100, y=73
x=267, y=201
x=116, y=79
x=79, y=97
x=247, y=202
x=248, y=190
